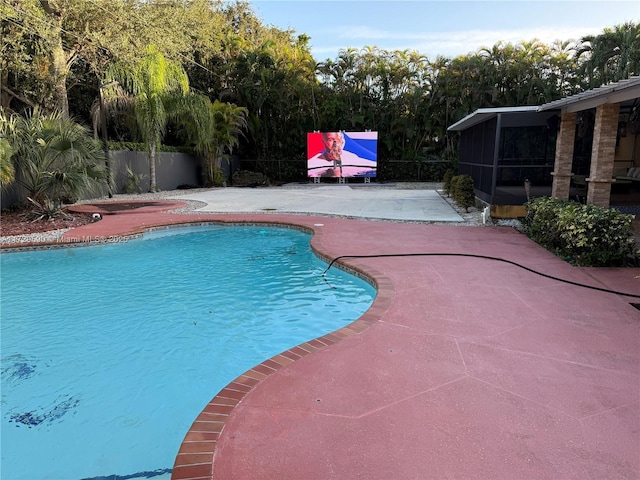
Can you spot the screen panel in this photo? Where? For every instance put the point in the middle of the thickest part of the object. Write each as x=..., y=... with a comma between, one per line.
x=342, y=154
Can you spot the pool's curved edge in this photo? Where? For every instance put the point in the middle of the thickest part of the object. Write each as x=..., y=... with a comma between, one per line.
x=78, y=241
x=196, y=455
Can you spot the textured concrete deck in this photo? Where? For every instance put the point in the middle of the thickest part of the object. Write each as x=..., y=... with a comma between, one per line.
x=473, y=369
x=462, y=368
x=358, y=201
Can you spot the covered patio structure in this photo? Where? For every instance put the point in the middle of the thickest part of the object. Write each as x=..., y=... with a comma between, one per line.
x=503, y=149
x=608, y=116
x=582, y=147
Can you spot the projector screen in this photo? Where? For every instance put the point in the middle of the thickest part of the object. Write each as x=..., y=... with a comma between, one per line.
x=342, y=154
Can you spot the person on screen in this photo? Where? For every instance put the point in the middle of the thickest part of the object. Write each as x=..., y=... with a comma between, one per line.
x=333, y=145
x=334, y=153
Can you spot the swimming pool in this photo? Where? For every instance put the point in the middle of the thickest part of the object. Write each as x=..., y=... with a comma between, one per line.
x=110, y=352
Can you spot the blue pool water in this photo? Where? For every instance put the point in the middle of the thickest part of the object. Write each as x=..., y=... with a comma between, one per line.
x=108, y=353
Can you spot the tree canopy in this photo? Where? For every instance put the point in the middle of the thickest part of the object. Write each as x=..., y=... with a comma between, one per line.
x=55, y=54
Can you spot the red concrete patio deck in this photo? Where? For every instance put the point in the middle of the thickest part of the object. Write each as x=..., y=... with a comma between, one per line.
x=462, y=368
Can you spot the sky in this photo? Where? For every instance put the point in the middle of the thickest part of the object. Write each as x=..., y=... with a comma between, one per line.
x=447, y=27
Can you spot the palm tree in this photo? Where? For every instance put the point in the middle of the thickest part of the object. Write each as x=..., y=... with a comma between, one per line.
x=214, y=129
x=7, y=171
x=55, y=158
x=229, y=121
x=611, y=56
x=158, y=86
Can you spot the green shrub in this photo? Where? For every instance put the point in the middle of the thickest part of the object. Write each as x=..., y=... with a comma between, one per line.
x=133, y=181
x=142, y=147
x=462, y=191
x=127, y=146
x=54, y=158
x=540, y=223
x=584, y=235
x=448, y=176
x=218, y=177
x=454, y=185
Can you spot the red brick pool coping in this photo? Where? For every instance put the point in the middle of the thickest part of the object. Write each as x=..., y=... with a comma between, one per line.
x=198, y=454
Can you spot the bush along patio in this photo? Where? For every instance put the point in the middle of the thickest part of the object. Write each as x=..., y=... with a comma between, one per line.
x=583, y=235
x=460, y=188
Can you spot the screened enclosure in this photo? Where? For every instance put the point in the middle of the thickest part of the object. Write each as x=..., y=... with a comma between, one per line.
x=502, y=148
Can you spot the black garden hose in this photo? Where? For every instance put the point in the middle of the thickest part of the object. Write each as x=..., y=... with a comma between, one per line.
x=485, y=257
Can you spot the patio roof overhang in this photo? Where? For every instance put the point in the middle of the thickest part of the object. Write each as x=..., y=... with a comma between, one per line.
x=619, y=92
x=484, y=114
x=624, y=92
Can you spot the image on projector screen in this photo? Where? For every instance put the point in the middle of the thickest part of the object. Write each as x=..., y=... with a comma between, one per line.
x=342, y=154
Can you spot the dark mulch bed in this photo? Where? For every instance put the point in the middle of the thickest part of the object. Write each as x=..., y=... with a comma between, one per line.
x=120, y=206
x=17, y=222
